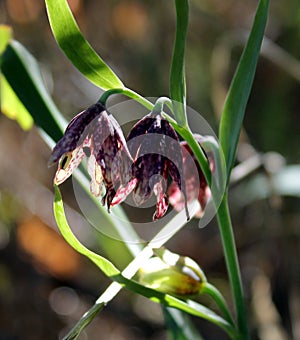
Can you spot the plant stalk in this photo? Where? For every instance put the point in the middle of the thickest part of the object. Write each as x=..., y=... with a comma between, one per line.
x=230, y=252
x=177, y=74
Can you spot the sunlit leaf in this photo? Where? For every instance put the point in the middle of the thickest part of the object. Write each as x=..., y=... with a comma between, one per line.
x=22, y=73
x=237, y=98
x=77, y=49
x=112, y=272
x=177, y=76
x=12, y=107
x=106, y=266
x=86, y=319
x=5, y=35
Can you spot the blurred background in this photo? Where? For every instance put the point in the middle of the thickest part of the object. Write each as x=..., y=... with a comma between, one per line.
x=45, y=286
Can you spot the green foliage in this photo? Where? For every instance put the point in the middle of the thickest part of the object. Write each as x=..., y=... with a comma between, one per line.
x=24, y=81
x=22, y=73
x=238, y=94
x=10, y=104
x=12, y=107
x=177, y=76
x=5, y=36
x=113, y=273
x=76, y=48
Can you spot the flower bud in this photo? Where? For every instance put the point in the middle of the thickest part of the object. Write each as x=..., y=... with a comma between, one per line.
x=172, y=274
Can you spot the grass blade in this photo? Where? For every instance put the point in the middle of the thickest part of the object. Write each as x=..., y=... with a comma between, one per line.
x=23, y=76
x=239, y=91
x=113, y=273
x=177, y=76
x=179, y=325
x=12, y=107
x=77, y=49
x=5, y=36
x=22, y=73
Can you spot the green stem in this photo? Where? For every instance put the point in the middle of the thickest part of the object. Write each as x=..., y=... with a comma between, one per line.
x=211, y=290
x=84, y=322
x=177, y=76
x=159, y=104
x=232, y=264
x=128, y=93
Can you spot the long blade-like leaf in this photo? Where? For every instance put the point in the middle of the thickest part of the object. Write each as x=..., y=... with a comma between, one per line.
x=179, y=325
x=112, y=272
x=22, y=73
x=76, y=48
x=177, y=76
x=12, y=107
x=237, y=98
x=5, y=35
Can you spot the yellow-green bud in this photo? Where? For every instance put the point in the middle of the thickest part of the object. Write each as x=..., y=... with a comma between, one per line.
x=173, y=274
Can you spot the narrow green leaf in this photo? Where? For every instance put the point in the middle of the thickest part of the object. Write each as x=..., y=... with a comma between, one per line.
x=5, y=35
x=84, y=322
x=211, y=290
x=177, y=76
x=237, y=98
x=77, y=49
x=22, y=73
x=112, y=272
x=179, y=325
x=12, y=107
x=106, y=266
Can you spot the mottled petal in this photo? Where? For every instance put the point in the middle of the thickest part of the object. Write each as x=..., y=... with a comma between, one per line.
x=176, y=198
x=76, y=132
x=162, y=201
x=95, y=173
x=179, y=179
x=67, y=164
x=195, y=184
x=155, y=146
x=108, y=197
x=113, y=157
x=123, y=192
x=148, y=170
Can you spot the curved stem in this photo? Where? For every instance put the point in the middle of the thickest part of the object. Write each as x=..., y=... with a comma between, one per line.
x=128, y=93
x=159, y=104
x=211, y=290
x=227, y=236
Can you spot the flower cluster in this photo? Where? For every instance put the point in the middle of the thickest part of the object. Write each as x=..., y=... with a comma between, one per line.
x=151, y=159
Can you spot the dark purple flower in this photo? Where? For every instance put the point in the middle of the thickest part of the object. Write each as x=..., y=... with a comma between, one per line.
x=96, y=134
x=196, y=185
x=156, y=151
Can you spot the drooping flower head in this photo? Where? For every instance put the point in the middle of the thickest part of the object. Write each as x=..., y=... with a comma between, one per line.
x=155, y=147
x=96, y=134
x=196, y=185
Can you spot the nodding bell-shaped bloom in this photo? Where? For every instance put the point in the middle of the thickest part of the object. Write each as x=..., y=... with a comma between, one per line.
x=196, y=185
x=155, y=147
x=96, y=134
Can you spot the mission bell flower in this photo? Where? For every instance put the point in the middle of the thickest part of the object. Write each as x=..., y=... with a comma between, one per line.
x=156, y=151
x=196, y=185
x=96, y=134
